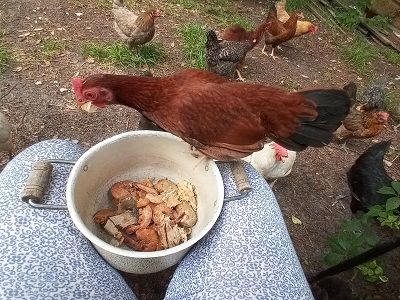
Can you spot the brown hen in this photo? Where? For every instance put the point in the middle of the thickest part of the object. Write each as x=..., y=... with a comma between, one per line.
x=224, y=120
x=134, y=30
x=279, y=32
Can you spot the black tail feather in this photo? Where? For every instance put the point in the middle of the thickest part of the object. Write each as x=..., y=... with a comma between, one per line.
x=333, y=106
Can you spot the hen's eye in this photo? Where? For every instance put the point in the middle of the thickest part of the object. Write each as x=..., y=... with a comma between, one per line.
x=90, y=96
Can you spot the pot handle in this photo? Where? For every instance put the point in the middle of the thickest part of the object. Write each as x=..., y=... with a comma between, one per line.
x=241, y=180
x=38, y=181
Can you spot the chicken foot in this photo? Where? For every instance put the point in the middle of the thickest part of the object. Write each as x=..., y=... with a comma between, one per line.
x=271, y=54
x=239, y=76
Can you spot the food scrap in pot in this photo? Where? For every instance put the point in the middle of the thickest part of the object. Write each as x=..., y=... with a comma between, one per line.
x=148, y=215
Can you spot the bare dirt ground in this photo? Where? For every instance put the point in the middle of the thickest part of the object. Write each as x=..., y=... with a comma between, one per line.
x=30, y=95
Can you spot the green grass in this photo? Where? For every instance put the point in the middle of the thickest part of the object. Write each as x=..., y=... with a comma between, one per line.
x=359, y=53
x=194, y=40
x=120, y=55
x=292, y=5
x=349, y=18
x=5, y=58
x=392, y=102
x=50, y=47
x=392, y=56
x=380, y=22
x=189, y=4
x=219, y=10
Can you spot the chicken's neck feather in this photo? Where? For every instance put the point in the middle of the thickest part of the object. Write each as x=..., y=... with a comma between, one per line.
x=140, y=93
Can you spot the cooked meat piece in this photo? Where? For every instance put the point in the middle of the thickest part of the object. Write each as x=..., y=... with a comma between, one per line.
x=125, y=219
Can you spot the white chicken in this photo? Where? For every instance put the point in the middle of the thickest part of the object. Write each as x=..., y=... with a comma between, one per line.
x=272, y=162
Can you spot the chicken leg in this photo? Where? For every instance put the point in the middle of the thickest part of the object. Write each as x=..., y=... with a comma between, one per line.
x=239, y=76
x=272, y=54
x=263, y=50
x=266, y=53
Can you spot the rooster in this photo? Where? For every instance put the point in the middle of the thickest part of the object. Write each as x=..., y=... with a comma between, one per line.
x=278, y=32
x=272, y=162
x=302, y=27
x=221, y=119
x=367, y=176
x=134, y=30
x=223, y=57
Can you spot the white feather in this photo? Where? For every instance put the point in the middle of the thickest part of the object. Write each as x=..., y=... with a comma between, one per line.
x=265, y=162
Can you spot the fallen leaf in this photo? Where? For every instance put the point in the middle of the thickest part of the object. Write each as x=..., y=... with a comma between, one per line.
x=90, y=60
x=25, y=34
x=71, y=107
x=296, y=220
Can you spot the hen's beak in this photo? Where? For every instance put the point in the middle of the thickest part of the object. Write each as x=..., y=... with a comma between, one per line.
x=89, y=107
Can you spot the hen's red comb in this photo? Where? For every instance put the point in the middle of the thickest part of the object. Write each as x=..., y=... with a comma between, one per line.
x=77, y=85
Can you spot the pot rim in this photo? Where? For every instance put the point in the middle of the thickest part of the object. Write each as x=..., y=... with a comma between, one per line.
x=131, y=253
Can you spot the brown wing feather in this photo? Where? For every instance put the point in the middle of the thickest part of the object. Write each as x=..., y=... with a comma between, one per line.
x=236, y=117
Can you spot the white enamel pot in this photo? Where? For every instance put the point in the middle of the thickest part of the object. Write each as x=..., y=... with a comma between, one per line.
x=137, y=155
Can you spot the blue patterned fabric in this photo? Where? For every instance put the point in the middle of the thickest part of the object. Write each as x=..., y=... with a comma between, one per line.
x=42, y=254
x=247, y=255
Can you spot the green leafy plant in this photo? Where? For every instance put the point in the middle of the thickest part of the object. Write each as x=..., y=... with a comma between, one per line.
x=373, y=272
x=389, y=214
x=355, y=236
x=194, y=40
x=120, y=55
x=349, y=18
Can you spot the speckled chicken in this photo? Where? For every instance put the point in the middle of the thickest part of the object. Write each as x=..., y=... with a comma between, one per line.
x=134, y=30
x=223, y=57
x=5, y=135
x=374, y=97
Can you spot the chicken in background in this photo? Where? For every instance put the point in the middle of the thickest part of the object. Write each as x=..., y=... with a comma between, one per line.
x=237, y=33
x=225, y=57
x=373, y=97
x=5, y=135
x=272, y=162
x=363, y=121
x=278, y=32
x=302, y=27
x=221, y=119
x=367, y=176
x=134, y=30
